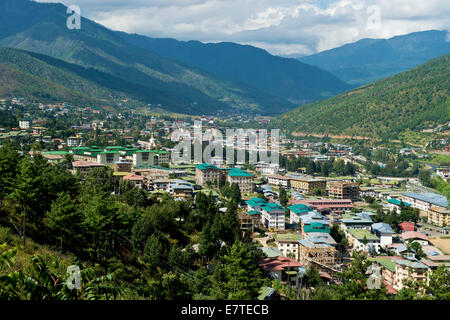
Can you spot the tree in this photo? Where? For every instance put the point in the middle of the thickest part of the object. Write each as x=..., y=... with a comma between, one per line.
x=313, y=277
x=64, y=219
x=154, y=253
x=283, y=197
x=237, y=276
x=9, y=157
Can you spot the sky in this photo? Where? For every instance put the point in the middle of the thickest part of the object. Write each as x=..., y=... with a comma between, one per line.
x=282, y=27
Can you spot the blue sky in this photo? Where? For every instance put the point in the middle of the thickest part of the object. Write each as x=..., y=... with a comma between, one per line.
x=283, y=27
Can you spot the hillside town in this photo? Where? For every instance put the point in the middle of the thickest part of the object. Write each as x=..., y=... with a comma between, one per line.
x=315, y=208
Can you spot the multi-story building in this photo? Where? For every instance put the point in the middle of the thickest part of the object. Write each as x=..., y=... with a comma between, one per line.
x=278, y=180
x=272, y=214
x=319, y=255
x=424, y=201
x=74, y=141
x=309, y=185
x=409, y=270
x=288, y=244
x=208, y=172
x=343, y=190
x=242, y=178
x=333, y=205
x=363, y=240
x=122, y=165
x=439, y=216
x=83, y=167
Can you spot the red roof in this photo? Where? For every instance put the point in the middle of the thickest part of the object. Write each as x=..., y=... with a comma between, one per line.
x=414, y=235
x=278, y=263
x=134, y=177
x=407, y=226
x=84, y=164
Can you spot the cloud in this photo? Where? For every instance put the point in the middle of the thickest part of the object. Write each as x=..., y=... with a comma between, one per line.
x=282, y=27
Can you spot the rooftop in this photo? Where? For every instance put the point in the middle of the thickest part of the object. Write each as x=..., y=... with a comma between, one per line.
x=430, y=197
x=360, y=234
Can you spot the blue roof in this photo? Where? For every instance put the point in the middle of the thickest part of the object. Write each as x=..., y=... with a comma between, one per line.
x=398, y=202
x=382, y=228
x=430, y=197
x=300, y=208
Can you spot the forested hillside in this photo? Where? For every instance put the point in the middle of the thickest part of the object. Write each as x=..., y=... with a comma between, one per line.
x=411, y=100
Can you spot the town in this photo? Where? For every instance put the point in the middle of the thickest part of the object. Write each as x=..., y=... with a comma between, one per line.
x=324, y=205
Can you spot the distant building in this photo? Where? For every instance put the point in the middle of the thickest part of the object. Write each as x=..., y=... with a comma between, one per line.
x=343, y=190
x=309, y=185
x=83, y=167
x=24, y=124
x=439, y=216
x=278, y=180
x=443, y=172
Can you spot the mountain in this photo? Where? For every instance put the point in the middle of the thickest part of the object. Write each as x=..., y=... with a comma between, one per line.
x=44, y=78
x=281, y=77
x=41, y=28
x=368, y=60
x=412, y=100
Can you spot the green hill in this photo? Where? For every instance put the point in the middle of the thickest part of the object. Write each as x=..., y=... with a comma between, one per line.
x=411, y=100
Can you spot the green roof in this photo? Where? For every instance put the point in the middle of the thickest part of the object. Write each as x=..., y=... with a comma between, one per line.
x=288, y=237
x=398, y=202
x=205, y=166
x=385, y=262
x=361, y=233
x=316, y=227
x=234, y=172
x=299, y=208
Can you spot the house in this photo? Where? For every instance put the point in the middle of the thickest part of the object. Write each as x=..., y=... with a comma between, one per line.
x=363, y=240
x=24, y=124
x=343, y=190
x=356, y=221
x=122, y=165
x=74, y=142
x=282, y=268
x=180, y=189
x=288, y=244
x=384, y=232
x=414, y=236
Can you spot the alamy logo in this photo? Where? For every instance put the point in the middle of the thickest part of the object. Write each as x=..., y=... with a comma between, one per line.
x=74, y=20
x=74, y=280
x=258, y=144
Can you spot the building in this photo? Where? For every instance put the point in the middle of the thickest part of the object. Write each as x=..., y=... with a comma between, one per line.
x=407, y=226
x=439, y=216
x=249, y=220
x=443, y=172
x=288, y=244
x=83, y=167
x=363, y=240
x=423, y=201
x=122, y=165
x=396, y=205
x=343, y=190
x=309, y=185
x=74, y=142
x=322, y=256
x=242, y=178
x=278, y=180
x=282, y=268
x=180, y=189
x=384, y=232
x=24, y=124
x=137, y=180
x=356, y=221
x=272, y=215
x=208, y=172
x=409, y=270
x=332, y=205
x=414, y=236
x=296, y=211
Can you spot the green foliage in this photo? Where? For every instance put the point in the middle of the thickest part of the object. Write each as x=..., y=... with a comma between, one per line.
x=383, y=109
x=236, y=276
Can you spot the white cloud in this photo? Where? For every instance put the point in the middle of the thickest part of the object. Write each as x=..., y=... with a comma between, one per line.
x=281, y=27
